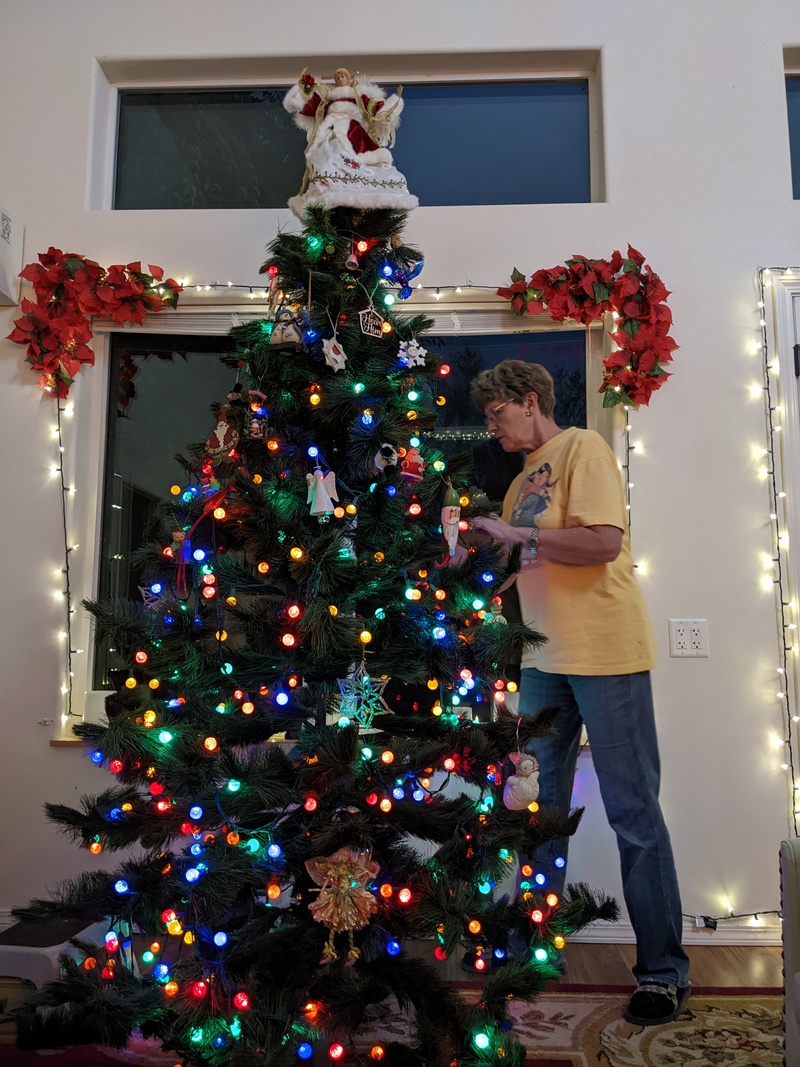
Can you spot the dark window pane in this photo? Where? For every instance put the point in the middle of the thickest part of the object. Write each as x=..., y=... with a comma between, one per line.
x=161, y=391
x=458, y=144
x=496, y=144
x=461, y=426
x=793, y=103
x=229, y=149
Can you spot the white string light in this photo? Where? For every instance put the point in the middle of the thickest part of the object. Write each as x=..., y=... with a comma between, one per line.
x=774, y=564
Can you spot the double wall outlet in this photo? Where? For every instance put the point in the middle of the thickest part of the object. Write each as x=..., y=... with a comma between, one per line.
x=688, y=637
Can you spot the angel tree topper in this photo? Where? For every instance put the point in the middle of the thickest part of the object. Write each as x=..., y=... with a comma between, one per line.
x=349, y=125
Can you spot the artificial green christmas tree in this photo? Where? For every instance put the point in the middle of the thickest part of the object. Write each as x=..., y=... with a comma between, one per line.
x=305, y=679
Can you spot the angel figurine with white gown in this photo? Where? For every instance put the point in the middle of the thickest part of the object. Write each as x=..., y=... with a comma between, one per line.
x=321, y=494
x=349, y=125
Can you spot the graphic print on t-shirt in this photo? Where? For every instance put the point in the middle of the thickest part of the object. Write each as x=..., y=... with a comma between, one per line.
x=534, y=497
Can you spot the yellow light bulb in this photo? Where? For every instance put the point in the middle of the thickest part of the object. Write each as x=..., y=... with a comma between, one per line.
x=130, y=683
x=221, y=635
x=296, y=553
x=231, y=600
x=433, y=683
x=365, y=637
x=175, y=490
x=257, y=479
x=351, y=509
x=333, y=610
x=219, y=513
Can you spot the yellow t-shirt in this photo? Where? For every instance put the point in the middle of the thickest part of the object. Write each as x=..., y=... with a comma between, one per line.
x=594, y=616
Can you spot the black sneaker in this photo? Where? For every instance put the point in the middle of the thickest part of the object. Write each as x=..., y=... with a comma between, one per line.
x=654, y=1003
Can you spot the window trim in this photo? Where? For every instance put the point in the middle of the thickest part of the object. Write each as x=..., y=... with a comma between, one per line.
x=86, y=435
x=112, y=76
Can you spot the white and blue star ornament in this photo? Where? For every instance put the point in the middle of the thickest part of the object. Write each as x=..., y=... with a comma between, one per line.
x=411, y=353
x=361, y=698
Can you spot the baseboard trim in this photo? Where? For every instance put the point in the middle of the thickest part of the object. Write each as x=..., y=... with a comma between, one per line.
x=729, y=932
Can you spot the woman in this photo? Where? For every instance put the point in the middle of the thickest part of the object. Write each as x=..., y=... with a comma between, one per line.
x=348, y=125
x=577, y=586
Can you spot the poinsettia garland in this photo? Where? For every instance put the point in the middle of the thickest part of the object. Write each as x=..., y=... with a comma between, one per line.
x=584, y=290
x=71, y=290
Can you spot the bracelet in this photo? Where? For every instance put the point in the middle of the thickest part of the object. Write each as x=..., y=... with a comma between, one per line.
x=533, y=543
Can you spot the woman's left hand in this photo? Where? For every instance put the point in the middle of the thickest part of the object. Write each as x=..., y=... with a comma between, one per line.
x=499, y=530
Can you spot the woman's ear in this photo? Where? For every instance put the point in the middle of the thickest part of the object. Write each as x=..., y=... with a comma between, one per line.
x=531, y=402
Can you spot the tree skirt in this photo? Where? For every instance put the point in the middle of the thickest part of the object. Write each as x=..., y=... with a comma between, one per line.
x=560, y=1029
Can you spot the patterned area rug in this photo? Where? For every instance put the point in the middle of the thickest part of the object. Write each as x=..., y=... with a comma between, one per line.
x=561, y=1029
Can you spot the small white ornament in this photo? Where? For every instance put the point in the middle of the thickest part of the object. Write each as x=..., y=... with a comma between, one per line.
x=522, y=788
x=335, y=355
x=321, y=493
x=412, y=354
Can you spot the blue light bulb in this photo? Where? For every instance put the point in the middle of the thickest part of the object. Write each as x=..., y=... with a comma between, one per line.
x=199, y=554
x=387, y=270
x=274, y=850
x=192, y=874
x=121, y=886
x=161, y=971
x=305, y=1051
x=393, y=948
x=195, y=812
x=313, y=451
x=96, y=757
x=560, y=861
x=156, y=588
x=220, y=938
x=281, y=698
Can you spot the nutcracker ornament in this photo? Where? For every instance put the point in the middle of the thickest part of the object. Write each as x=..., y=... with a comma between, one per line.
x=344, y=903
x=521, y=789
x=321, y=494
x=258, y=414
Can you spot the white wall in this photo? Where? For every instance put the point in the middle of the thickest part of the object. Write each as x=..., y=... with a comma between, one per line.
x=697, y=177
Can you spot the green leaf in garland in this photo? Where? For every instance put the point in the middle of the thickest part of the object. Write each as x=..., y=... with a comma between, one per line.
x=611, y=397
x=631, y=327
x=517, y=276
x=630, y=267
x=72, y=264
x=602, y=292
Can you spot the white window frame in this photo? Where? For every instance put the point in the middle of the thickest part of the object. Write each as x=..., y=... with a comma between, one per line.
x=111, y=76
x=782, y=314
x=85, y=435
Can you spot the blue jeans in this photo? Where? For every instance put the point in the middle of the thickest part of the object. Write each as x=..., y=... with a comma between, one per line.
x=618, y=713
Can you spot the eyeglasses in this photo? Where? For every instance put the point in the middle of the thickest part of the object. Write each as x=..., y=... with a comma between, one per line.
x=492, y=416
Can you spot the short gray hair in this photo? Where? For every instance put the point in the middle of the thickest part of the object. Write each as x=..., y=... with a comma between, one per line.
x=513, y=379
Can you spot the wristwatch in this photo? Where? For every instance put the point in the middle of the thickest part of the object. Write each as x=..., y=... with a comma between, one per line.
x=533, y=543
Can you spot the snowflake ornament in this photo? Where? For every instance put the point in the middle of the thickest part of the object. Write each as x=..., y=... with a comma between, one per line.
x=412, y=354
x=361, y=698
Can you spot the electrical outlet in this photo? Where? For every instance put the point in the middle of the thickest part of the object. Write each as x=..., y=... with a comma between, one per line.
x=688, y=637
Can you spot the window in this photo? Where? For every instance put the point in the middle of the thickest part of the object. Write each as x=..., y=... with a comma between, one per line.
x=160, y=393
x=460, y=426
x=793, y=107
x=154, y=392
x=459, y=144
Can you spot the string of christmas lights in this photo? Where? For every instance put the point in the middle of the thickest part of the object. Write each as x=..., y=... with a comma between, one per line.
x=64, y=573
x=787, y=628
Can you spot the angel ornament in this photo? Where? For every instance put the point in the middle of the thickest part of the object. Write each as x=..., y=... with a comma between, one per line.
x=350, y=125
x=451, y=514
x=344, y=902
x=522, y=788
x=321, y=494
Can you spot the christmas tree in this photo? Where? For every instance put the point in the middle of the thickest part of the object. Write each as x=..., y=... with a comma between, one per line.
x=314, y=663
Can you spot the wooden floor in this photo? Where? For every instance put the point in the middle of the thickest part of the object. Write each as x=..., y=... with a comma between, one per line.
x=593, y=964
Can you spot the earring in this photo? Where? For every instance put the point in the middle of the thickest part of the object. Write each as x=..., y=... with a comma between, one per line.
x=528, y=412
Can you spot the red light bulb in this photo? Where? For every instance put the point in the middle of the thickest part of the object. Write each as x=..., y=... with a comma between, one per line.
x=241, y=1001
x=199, y=990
